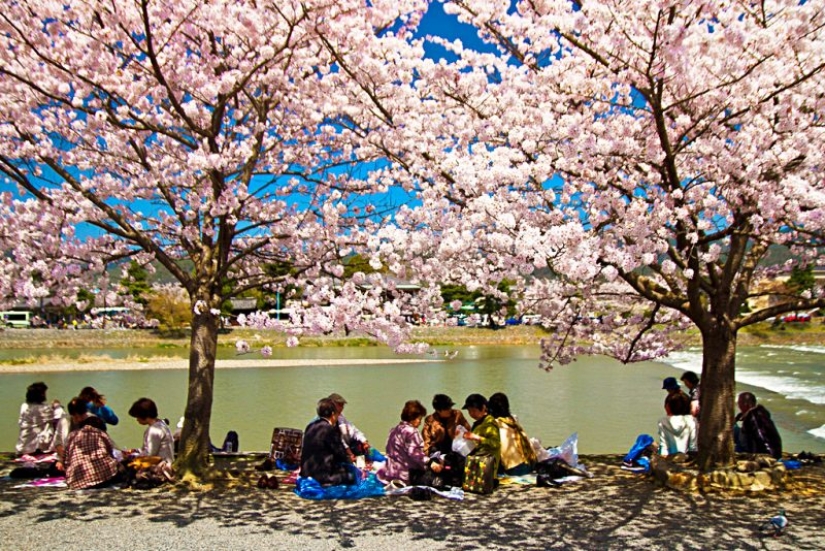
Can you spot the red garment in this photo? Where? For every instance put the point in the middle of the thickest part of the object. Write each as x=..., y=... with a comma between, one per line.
x=88, y=458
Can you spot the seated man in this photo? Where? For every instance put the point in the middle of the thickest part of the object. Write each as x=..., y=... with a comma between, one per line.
x=89, y=456
x=353, y=439
x=677, y=430
x=758, y=433
x=323, y=456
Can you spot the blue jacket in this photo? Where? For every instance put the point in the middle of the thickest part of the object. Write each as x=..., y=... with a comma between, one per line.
x=105, y=413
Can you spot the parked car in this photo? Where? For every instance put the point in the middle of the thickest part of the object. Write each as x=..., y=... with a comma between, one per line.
x=796, y=318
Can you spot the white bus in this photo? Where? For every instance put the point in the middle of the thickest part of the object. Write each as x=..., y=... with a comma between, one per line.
x=16, y=318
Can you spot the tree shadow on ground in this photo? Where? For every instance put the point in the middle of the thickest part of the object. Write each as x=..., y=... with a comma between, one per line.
x=613, y=510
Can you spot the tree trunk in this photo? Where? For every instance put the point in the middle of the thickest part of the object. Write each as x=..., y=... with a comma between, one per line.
x=193, y=453
x=718, y=388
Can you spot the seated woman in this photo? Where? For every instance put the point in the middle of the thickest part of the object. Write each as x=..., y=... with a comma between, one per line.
x=323, y=455
x=97, y=405
x=485, y=431
x=89, y=459
x=157, y=439
x=517, y=454
x=405, y=448
x=37, y=421
x=677, y=430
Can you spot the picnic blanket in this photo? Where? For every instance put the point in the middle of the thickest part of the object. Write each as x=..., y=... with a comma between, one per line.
x=455, y=493
x=47, y=482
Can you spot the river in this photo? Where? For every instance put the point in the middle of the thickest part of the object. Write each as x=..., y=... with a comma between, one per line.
x=606, y=403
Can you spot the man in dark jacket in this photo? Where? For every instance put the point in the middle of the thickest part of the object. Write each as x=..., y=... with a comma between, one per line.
x=323, y=456
x=758, y=433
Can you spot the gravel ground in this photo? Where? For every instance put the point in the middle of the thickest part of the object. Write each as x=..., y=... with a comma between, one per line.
x=613, y=510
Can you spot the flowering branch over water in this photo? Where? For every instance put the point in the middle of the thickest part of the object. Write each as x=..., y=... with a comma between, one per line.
x=242, y=347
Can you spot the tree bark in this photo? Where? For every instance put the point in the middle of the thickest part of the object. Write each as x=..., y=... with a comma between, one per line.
x=193, y=453
x=718, y=388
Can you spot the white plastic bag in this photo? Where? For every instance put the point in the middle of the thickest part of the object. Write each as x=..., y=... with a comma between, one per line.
x=569, y=450
x=462, y=445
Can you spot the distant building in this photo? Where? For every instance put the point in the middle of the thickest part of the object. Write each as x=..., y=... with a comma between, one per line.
x=244, y=306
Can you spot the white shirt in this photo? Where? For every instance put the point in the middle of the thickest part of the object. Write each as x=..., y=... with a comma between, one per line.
x=157, y=440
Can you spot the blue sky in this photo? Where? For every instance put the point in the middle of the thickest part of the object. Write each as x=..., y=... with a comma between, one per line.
x=435, y=22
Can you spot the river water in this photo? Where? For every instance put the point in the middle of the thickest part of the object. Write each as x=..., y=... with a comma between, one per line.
x=606, y=403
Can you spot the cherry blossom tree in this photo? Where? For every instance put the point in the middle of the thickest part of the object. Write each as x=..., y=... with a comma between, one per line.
x=229, y=134
x=624, y=166
x=631, y=164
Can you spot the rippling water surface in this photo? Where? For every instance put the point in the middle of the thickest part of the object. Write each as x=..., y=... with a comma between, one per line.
x=607, y=403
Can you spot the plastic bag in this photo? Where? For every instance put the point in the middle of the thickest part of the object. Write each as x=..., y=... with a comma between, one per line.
x=462, y=445
x=368, y=486
x=569, y=450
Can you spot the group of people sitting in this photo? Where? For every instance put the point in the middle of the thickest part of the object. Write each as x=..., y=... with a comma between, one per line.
x=754, y=430
x=84, y=452
x=430, y=457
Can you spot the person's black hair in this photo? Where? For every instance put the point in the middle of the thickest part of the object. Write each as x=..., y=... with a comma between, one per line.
x=93, y=421
x=413, y=409
x=690, y=377
x=678, y=404
x=325, y=408
x=747, y=398
x=144, y=408
x=498, y=405
x=90, y=394
x=36, y=393
x=78, y=406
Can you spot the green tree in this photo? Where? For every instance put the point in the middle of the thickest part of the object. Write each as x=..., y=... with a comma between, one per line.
x=801, y=280
x=136, y=283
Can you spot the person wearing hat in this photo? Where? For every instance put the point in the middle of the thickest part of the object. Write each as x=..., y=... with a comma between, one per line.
x=355, y=440
x=438, y=434
x=440, y=426
x=485, y=431
x=673, y=391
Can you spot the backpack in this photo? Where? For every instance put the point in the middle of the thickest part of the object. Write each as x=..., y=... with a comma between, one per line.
x=641, y=448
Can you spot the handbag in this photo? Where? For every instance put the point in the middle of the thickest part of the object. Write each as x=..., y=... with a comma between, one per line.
x=479, y=474
x=286, y=445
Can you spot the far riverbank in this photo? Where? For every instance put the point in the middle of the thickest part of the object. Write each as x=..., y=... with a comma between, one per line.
x=55, y=340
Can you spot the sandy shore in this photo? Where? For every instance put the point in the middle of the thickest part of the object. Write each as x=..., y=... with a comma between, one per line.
x=109, y=364
x=613, y=510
